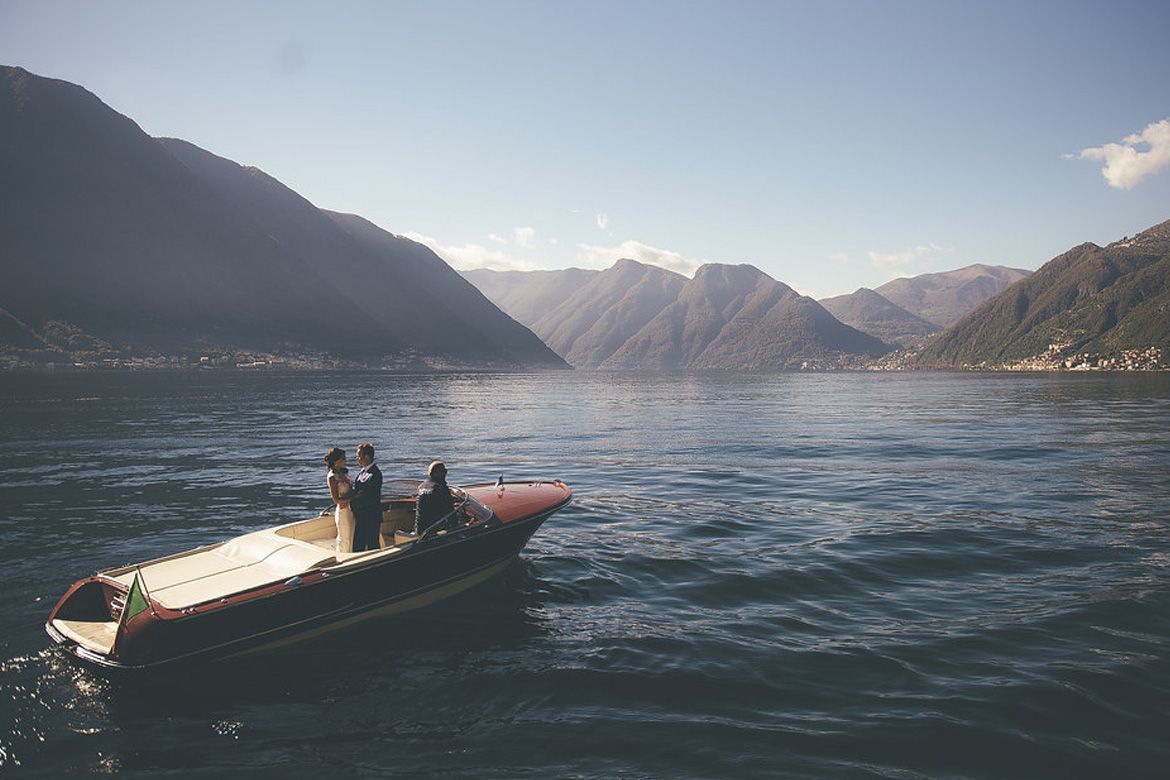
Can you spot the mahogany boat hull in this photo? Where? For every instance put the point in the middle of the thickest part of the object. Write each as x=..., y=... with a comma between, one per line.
x=313, y=601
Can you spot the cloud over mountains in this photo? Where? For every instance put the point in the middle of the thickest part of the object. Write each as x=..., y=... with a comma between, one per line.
x=604, y=256
x=906, y=262
x=1125, y=164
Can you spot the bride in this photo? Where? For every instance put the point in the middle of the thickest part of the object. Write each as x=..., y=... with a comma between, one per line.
x=340, y=487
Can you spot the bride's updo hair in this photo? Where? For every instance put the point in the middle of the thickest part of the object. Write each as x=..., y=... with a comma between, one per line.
x=333, y=456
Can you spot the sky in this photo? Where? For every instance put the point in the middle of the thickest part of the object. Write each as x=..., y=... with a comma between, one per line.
x=833, y=145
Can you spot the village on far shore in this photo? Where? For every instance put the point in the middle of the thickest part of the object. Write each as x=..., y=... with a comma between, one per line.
x=1057, y=358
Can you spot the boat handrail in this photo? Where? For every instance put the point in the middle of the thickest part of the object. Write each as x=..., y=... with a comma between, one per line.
x=442, y=520
x=459, y=508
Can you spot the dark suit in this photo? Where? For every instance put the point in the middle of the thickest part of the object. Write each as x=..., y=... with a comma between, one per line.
x=434, y=501
x=366, y=503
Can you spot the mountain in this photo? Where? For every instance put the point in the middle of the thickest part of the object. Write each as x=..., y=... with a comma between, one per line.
x=15, y=333
x=601, y=316
x=872, y=313
x=527, y=296
x=737, y=317
x=1090, y=299
x=943, y=298
x=157, y=245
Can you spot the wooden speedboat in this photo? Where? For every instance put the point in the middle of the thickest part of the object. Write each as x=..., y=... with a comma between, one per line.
x=286, y=583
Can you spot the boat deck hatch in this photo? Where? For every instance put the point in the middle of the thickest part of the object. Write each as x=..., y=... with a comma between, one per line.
x=245, y=562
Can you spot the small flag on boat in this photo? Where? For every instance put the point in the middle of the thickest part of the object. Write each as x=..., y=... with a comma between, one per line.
x=136, y=601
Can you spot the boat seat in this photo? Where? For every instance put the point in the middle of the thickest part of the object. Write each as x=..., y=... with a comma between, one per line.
x=322, y=531
x=243, y=563
x=397, y=518
x=323, y=527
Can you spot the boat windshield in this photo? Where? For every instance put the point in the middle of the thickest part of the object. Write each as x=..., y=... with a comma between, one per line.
x=473, y=510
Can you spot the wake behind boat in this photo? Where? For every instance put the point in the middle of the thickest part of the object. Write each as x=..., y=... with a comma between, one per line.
x=286, y=583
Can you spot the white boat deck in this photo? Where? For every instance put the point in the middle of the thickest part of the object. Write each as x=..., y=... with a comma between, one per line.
x=246, y=562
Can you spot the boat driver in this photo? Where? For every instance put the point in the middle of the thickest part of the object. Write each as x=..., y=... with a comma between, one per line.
x=434, y=499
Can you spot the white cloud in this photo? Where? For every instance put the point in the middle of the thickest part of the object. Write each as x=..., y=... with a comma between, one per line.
x=603, y=221
x=1125, y=165
x=524, y=236
x=839, y=257
x=907, y=261
x=468, y=256
x=605, y=256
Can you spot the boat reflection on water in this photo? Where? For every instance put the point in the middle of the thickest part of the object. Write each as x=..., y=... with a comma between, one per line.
x=284, y=584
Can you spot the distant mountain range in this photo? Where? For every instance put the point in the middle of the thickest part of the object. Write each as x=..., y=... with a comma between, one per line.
x=597, y=320
x=528, y=295
x=905, y=311
x=115, y=242
x=1091, y=307
x=872, y=313
x=738, y=317
x=640, y=316
x=943, y=298
x=1090, y=304
x=636, y=316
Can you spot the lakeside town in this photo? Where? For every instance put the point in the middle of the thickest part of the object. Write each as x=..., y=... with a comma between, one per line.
x=244, y=360
x=1058, y=357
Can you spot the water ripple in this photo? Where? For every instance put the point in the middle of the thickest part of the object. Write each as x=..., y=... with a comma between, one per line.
x=791, y=575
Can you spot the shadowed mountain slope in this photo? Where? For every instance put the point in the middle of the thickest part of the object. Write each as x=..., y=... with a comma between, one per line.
x=1090, y=298
x=157, y=244
x=943, y=298
x=527, y=296
x=614, y=305
x=437, y=294
x=870, y=312
x=16, y=334
x=104, y=228
x=737, y=317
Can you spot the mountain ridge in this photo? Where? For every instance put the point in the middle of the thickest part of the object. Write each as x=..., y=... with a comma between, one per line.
x=1088, y=299
x=160, y=247
x=870, y=312
x=528, y=295
x=944, y=297
x=612, y=306
x=738, y=317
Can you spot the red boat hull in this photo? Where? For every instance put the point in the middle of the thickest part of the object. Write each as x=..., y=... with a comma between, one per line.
x=318, y=600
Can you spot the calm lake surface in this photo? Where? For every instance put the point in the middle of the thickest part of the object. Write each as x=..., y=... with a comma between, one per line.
x=825, y=575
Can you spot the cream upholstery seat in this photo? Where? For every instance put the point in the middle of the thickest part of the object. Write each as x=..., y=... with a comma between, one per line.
x=252, y=560
x=242, y=563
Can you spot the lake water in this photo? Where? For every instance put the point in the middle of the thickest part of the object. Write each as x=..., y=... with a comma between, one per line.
x=824, y=575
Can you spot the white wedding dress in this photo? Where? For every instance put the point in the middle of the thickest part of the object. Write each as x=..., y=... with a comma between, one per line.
x=345, y=522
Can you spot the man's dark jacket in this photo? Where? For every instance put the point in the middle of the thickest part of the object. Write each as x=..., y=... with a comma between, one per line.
x=366, y=503
x=434, y=501
x=367, y=493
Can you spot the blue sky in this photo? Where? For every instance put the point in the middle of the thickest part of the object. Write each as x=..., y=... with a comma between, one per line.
x=832, y=144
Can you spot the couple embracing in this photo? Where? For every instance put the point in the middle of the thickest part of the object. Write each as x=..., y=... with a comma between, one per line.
x=358, y=500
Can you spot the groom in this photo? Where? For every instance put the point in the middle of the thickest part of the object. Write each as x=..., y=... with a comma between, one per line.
x=366, y=501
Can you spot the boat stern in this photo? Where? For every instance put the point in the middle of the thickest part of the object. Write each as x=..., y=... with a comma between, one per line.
x=87, y=621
